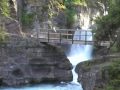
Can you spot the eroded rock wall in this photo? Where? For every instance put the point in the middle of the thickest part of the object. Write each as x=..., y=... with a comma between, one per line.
x=50, y=16
x=95, y=74
x=20, y=65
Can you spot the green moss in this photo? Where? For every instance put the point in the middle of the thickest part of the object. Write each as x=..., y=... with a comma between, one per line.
x=109, y=87
x=27, y=18
x=70, y=15
x=70, y=12
x=4, y=8
x=75, y=2
x=3, y=35
x=114, y=48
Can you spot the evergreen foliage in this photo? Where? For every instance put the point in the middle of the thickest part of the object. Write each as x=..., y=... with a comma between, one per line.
x=108, y=25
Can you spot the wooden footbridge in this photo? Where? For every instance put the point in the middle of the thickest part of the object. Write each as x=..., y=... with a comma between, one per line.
x=64, y=36
x=67, y=36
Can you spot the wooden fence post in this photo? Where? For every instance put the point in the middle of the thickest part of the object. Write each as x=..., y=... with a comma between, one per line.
x=60, y=37
x=80, y=36
x=85, y=37
x=72, y=38
x=48, y=36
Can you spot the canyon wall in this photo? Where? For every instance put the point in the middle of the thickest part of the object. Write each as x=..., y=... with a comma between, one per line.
x=100, y=73
x=31, y=62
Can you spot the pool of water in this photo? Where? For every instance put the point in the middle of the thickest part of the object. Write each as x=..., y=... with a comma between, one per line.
x=65, y=86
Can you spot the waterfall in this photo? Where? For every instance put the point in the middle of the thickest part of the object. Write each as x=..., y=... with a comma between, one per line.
x=77, y=54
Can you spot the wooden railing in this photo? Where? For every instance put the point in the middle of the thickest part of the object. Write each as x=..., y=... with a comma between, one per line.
x=65, y=36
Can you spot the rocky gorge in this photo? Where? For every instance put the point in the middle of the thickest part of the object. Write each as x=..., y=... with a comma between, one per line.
x=24, y=60
x=100, y=74
x=27, y=65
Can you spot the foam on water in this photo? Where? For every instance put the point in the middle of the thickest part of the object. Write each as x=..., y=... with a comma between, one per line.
x=68, y=86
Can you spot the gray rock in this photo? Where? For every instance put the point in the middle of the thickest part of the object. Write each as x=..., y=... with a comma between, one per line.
x=93, y=74
x=20, y=65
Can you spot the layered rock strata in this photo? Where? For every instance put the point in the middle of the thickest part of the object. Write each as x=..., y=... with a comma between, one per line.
x=29, y=62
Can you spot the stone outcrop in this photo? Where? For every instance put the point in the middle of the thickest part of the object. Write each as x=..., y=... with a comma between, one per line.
x=94, y=74
x=34, y=63
x=13, y=8
x=12, y=26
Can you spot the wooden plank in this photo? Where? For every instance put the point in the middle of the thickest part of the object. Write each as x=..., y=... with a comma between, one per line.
x=85, y=37
x=57, y=37
x=44, y=29
x=55, y=33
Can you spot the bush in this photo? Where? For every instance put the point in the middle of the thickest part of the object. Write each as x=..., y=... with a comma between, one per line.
x=70, y=15
x=27, y=18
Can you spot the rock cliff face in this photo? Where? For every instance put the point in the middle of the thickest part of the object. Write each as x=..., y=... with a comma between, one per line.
x=13, y=8
x=50, y=14
x=9, y=22
x=37, y=63
x=25, y=65
x=12, y=26
x=95, y=74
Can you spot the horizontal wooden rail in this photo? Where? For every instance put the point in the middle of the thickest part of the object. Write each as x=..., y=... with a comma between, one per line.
x=44, y=29
x=59, y=36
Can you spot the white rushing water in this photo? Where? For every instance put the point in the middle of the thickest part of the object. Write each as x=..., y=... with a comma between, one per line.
x=77, y=54
x=80, y=53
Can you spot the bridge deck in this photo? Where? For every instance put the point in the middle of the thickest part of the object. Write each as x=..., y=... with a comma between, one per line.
x=68, y=36
x=65, y=36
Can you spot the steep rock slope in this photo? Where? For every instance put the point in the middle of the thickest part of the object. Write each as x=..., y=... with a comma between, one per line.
x=100, y=74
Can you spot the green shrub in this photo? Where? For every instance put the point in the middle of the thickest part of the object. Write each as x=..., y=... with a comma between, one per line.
x=4, y=8
x=70, y=15
x=27, y=18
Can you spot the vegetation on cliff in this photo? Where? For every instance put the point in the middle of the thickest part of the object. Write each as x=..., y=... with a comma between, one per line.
x=4, y=8
x=4, y=12
x=108, y=25
x=70, y=10
x=3, y=34
x=67, y=6
x=27, y=18
x=114, y=76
